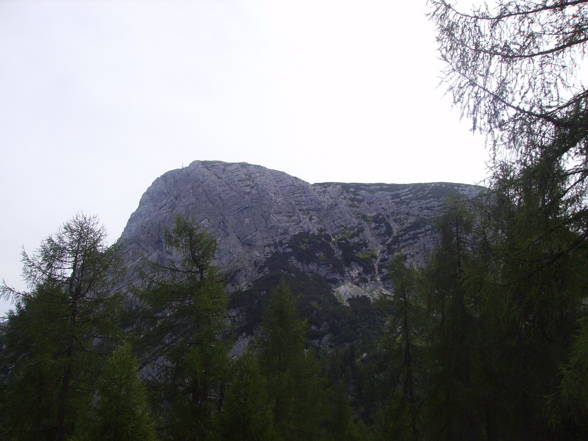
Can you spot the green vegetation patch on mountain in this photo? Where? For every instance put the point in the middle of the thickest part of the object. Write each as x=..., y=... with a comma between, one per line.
x=329, y=321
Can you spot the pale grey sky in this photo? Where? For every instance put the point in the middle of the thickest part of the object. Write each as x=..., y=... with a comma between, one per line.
x=99, y=98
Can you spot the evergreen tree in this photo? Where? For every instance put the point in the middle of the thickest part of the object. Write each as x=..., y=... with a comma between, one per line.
x=513, y=68
x=404, y=365
x=247, y=412
x=33, y=363
x=183, y=346
x=454, y=405
x=120, y=411
x=291, y=373
x=569, y=405
x=533, y=290
x=342, y=425
x=60, y=328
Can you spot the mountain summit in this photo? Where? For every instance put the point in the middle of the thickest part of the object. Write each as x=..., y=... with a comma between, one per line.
x=336, y=238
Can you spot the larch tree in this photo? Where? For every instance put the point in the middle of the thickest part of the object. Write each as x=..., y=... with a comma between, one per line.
x=291, y=372
x=55, y=339
x=247, y=413
x=533, y=291
x=182, y=343
x=120, y=410
x=404, y=366
x=453, y=336
x=515, y=68
x=569, y=405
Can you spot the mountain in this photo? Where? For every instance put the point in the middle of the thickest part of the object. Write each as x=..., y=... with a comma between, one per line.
x=330, y=241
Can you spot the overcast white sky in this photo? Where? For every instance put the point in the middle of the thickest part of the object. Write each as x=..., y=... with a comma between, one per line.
x=99, y=98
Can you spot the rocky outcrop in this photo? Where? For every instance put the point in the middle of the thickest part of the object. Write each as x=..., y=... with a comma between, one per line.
x=344, y=232
x=330, y=242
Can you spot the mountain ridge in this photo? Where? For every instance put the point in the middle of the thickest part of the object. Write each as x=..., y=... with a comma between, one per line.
x=250, y=209
x=329, y=239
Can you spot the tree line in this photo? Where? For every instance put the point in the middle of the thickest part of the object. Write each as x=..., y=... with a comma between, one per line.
x=486, y=341
x=84, y=359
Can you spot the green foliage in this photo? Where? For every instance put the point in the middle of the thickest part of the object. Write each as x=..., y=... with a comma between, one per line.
x=342, y=422
x=572, y=398
x=293, y=384
x=453, y=398
x=184, y=326
x=402, y=396
x=327, y=317
x=489, y=340
x=55, y=339
x=120, y=410
x=33, y=354
x=534, y=289
x=248, y=411
x=195, y=249
x=528, y=264
x=504, y=289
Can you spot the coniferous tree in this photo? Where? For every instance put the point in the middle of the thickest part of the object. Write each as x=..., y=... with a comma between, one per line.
x=60, y=328
x=31, y=356
x=247, y=413
x=453, y=403
x=182, y=343
x=404, y=365
x=291, y=373
x=533, y=106
x=120, y=410
x=513, y=67
x=569, y=404
x=342, y=423
x=533, y=290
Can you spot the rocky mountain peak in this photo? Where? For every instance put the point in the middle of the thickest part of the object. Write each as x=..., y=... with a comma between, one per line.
x=348, y=231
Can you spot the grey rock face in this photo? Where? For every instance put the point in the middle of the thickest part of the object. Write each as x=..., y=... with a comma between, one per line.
x=346, y=233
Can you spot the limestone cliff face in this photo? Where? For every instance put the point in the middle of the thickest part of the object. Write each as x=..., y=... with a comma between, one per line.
x=266, y=220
